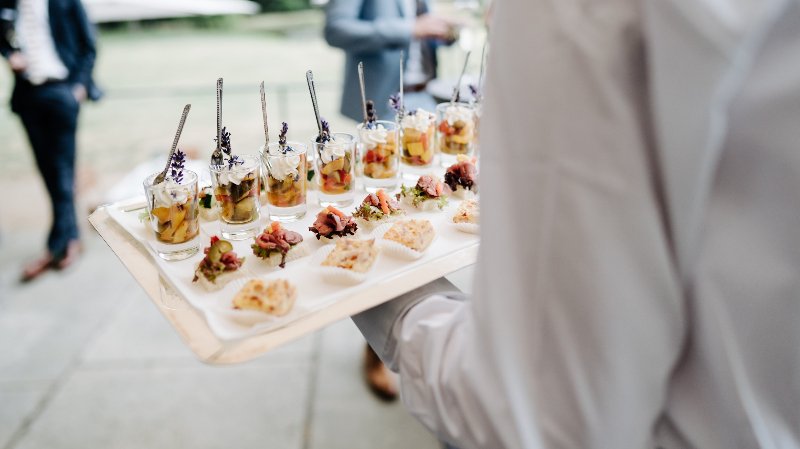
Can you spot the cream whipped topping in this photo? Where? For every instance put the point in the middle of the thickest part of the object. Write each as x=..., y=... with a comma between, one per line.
x=332, y=151
x=282, y=165
x=454, y=113
x=372, y=137
x=420, y=120
x=170, y=192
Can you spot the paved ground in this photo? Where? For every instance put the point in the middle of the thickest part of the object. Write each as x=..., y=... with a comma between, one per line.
x=86, y=361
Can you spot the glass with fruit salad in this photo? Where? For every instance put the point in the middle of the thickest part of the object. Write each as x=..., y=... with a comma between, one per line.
x=335, y=159
x=286, y=174
x=417, y=134
x=379, y=155
x=236, y=190
x=455, y=131
x=174, y=213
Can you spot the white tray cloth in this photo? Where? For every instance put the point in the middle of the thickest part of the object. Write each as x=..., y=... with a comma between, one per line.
x=314, y=293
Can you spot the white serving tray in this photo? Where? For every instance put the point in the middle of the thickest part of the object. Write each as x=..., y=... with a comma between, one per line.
x=315, y=295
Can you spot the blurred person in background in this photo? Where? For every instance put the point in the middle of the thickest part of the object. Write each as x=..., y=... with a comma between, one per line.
x=375, y=32
x=638, y=282
x=50, y=47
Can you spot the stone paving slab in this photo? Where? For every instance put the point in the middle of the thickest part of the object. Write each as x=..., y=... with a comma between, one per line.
x=18, y=401
x=346, y=415
x=173, y=407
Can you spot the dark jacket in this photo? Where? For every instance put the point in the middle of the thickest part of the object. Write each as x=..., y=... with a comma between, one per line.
x=73, y=36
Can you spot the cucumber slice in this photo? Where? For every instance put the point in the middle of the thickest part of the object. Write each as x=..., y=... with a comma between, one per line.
x=218, y=249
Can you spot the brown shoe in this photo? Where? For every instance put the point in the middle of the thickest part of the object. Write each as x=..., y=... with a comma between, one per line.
x=36, y=268
x=378, y=377
x=71, y=255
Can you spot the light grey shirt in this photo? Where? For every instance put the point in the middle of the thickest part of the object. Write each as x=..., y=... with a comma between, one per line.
x=638, y=283
x=36, y=42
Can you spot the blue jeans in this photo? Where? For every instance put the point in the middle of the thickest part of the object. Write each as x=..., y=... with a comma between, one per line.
x=49, y=114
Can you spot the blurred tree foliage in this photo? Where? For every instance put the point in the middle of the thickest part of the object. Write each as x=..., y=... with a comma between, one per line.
x=283, y=5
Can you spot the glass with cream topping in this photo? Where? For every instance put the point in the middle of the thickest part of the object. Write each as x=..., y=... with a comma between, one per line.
x=335, y=160
x=286, y=174
x=174, y=215
x=455, y=131
x=236, y=190
x=417, y=134
x=379, y=155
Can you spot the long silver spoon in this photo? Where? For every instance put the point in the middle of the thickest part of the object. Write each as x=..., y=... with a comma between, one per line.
x=363, y=91
x=161, y=176
x=313, y=92
x=216, y=157
x=402, y=107
x=264, y=112
x=457, y=90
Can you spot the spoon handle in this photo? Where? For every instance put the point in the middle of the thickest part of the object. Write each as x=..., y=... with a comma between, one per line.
x=457, y=90
x=402, y=105
x=483, y=70
x=219, y=114
x=313, y=92
x=264, y=112
x=175, y=141
x=363, y=90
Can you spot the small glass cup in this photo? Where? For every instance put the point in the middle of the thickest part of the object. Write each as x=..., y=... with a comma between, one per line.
x=379, y=155
x=286, y=174
x=174, y=216
x=335, y=171
x=417, y=142
x=236, y=189
x=455, y=131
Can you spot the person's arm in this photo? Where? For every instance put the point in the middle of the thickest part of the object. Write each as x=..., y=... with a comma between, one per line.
x=577, y=317
x=344, y=29
x=82, y=75
x=8, y=14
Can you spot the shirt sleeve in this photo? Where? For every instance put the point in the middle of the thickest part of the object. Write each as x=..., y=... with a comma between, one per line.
x=87, y=51
x=577, y=315
x=346, y=30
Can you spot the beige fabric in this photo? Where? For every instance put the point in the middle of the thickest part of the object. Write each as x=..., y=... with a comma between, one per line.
x=639, y=275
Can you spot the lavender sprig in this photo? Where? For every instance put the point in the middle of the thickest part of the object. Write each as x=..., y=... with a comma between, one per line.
x=225, y=146
x=475, y=91
x=234, y=160
x=282, y=135
x=176, y=166
x=394, y=103
x=225, y=141
x=372, y=115
x=325, y=135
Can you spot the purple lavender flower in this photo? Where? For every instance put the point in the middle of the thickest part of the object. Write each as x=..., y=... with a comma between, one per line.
x=372, y=115
x=325, y=136
x=176, y=166
x=394, y=103
x=282, y=135
x=225, y=142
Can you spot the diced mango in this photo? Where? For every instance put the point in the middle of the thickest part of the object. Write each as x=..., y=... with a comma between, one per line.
x=411, y=134
x=460, y=139
x=415, y=149
x=333, y=166
x=180, y=233
x=177, y=215
x=161, y=213
x=167, y=234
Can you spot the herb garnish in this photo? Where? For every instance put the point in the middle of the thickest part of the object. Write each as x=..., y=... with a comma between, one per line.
x=282, y=136
x=372, y=115
x=176, y=166
x=225, y=145
x=394, y=103
x=325, y=135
